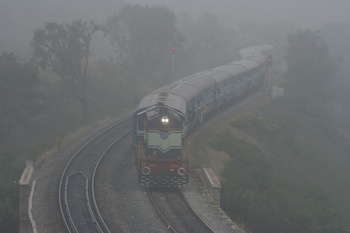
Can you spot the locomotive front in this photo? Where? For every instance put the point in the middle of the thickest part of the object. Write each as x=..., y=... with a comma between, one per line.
x=161, y=153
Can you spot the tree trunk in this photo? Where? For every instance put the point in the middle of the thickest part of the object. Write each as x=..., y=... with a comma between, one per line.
x=84, y=109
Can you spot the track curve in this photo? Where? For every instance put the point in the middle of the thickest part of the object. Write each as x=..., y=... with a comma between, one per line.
x=78, y=207
x=176, y=212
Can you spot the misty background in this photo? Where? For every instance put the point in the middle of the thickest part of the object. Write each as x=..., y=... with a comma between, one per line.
x=213, y=31
x=19, y=19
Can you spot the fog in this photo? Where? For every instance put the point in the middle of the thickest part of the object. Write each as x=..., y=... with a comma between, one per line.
x=18, y=19
x=302, y=13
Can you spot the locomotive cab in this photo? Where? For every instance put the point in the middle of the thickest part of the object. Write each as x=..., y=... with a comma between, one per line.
x=161, y=156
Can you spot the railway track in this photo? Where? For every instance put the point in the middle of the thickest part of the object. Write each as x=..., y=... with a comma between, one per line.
x=77, y=202
x=176, y=212
x=78, y=206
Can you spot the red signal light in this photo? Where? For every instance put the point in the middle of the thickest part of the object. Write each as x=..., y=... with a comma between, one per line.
x=269, y=60
x=173, y=47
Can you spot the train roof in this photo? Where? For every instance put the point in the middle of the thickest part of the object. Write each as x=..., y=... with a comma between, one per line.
x=259, y=58
x=234, y=69
x=248, y=64
x=255, y=50
x=178, y=94
x=175, y=102
x=200, y=80
x=183, y=90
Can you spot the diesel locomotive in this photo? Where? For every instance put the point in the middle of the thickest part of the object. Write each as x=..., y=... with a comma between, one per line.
x=164, y=118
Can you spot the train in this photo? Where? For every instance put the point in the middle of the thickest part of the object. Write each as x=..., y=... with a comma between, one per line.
x=164, y=119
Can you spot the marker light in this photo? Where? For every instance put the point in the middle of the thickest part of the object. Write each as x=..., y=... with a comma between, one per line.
x=181, y=171
x=146, y=170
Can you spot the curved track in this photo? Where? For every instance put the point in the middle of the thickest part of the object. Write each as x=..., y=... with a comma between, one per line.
x=79, y=209
x=176, y=212
x=77, y=202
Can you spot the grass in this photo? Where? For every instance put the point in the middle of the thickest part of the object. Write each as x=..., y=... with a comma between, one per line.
x=281, y=156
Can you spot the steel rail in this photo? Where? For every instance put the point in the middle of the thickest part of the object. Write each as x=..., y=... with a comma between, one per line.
x=95, y=222
x=103, y=224
x=164, y=216
x=159, y=212
x=194, y=212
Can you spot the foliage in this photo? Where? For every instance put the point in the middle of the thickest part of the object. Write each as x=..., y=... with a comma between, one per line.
x=65, y=50
x=310, y=67
x=259, y=194
x=337, y=36
x=20, y=99
x=143, y=33
x=9, y=192
x=288, y=187
x=21, y=102
x=43, y=113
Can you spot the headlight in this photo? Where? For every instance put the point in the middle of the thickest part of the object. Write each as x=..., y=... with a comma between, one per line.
x=181, y=171
x=165, y=120
x=146, y=170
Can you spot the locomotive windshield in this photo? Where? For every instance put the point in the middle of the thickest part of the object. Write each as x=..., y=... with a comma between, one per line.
x=165, y=120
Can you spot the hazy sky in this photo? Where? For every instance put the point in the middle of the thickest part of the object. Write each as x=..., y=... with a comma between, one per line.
x=302, y=13
x=19, y=18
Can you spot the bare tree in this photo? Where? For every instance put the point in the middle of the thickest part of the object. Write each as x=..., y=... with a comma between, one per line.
x=65, y=50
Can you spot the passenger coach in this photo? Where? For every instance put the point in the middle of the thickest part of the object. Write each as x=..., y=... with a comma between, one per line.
x=163, y=118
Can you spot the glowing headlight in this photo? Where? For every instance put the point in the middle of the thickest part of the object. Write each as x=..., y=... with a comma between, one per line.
x=165, y=120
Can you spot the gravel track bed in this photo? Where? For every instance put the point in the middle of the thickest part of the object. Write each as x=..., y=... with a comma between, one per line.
x=200, y=200
x=45, y=208
x=123, y=203
x=176, y=211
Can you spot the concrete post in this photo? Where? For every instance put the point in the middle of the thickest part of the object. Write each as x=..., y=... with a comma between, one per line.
x=25, y=183
x=210, y=180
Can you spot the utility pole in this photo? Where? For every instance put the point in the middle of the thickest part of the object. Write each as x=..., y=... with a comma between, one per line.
x=269, y=61
x=172, y=63
x=173, y=50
